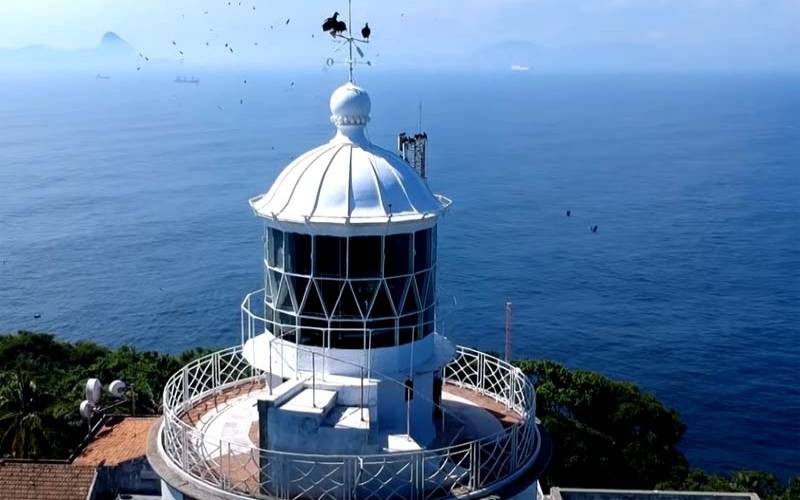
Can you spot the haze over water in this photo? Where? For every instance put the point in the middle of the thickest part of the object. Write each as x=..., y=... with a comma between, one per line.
x=124, y=219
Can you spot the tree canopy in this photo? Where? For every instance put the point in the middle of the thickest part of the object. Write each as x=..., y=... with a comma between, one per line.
x=606, y=434
x=41, y=385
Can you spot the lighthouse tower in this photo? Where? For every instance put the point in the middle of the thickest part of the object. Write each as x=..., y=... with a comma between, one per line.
x=349, y=293
x=342, y=388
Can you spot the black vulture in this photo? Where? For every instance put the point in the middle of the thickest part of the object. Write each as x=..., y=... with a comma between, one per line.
x=330, y=23
x=365, y=31
x=594, y=229
x=569, y=213
x=339, y=28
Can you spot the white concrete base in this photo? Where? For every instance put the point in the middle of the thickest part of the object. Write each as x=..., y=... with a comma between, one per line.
x=401, y=442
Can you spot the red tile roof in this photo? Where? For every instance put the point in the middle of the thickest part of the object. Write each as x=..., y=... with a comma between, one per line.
x=119, y=440
x=42, y=481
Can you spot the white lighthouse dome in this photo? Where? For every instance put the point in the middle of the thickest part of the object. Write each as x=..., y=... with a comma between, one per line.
x=350, y=186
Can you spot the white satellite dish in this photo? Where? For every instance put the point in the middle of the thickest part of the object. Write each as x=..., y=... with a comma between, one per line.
x=93, y=391
x=87, y=409
x=117, y=388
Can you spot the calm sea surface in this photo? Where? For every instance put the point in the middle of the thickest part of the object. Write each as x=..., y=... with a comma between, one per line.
x=124, y=219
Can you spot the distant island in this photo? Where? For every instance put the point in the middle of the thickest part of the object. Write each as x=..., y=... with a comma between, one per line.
x=112, y=50
x=606, y=434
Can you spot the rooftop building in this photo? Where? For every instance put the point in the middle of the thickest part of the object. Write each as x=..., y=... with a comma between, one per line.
x=592, y=494
x=46, y=481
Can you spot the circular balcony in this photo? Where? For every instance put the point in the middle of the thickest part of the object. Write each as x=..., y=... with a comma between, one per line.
x=460, y=465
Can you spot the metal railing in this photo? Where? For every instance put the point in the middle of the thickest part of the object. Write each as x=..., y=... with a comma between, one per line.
x=464, y=469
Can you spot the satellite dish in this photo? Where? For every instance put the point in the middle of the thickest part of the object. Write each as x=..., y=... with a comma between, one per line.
x=93, y=390
x=329, y=61
x=117, y=388
x=87, y=409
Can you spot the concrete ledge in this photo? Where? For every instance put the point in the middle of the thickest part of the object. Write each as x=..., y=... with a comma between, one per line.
x=283, y=392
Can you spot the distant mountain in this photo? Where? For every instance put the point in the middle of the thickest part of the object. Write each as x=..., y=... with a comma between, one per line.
x=110, y=51
x=113, y=44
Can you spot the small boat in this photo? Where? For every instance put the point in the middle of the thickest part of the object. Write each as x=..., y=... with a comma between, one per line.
x=519, y=67
x=183, y=79
x=102, y=77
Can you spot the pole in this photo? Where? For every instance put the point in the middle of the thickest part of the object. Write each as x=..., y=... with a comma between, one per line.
x=508, y=332
x=362, y=393
x=350, y=38
x=313, y=380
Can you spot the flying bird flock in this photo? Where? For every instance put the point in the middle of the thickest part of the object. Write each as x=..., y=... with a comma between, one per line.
x=334, y=26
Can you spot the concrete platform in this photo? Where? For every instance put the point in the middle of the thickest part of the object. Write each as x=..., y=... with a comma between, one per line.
x=311, y=401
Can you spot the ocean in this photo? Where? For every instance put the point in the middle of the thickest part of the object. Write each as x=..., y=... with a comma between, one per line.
x=124, y=220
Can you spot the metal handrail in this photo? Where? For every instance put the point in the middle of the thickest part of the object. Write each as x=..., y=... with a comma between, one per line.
x=475, y=462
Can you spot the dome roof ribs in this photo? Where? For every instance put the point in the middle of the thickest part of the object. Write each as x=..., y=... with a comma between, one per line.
x=321, y=180
x=310, y=164
x=276, y=186
x=379, y=188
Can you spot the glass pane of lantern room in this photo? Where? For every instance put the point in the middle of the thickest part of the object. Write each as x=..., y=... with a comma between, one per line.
x=298, y=253
x=366, y=254
x=330, y=256
x=422, y=250
x=397, y=255
x=275, y=244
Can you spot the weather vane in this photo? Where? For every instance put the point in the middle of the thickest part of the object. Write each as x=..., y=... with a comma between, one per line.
x=338, y=29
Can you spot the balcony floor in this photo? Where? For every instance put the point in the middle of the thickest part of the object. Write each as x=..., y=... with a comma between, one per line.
x=232, y=416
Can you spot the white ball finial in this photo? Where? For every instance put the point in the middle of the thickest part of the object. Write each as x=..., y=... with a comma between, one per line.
x=350, y=106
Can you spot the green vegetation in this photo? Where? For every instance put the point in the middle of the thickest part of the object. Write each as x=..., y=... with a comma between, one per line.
x=42, y=381
x=606, y=434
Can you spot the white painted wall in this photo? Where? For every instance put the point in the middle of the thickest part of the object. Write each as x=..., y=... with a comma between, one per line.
x=392, y=361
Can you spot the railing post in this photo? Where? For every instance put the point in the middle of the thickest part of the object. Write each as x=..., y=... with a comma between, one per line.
x=362, y=393
x=215, y=375
x=229, y=465
x=510, y=397
x=296, y=358
x=185, y=448
x=481, y=373
x=269, y=372
x=221, y=475
x=314, y=379
x=185, y=377
x=474, y=482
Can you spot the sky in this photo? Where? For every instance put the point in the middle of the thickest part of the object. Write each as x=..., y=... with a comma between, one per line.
x=732, y=34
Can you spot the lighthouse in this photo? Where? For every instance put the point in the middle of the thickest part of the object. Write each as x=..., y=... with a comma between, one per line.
x=342, y=387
